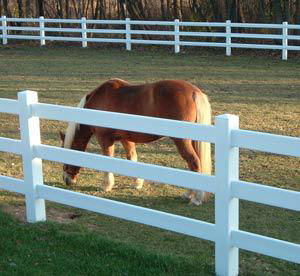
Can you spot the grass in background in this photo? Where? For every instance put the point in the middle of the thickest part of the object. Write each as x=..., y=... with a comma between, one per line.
x=264, y=92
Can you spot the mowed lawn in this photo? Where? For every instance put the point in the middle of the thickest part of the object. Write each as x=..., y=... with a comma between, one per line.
x=262, y=90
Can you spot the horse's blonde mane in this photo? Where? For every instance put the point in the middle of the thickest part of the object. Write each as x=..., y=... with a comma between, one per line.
x=72, y=127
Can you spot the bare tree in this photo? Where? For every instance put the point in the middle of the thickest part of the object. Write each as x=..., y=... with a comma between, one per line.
x=6, y=10
x=177, y=10
x=27, y=8
x=40, y=8
x=163, y=9
x=20, y=8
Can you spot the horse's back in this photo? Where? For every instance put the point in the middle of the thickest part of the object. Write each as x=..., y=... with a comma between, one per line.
x=172, y=99
x=176, y=99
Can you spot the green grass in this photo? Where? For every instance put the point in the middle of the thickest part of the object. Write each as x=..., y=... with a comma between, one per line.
x=53, y=249
x=263, y=91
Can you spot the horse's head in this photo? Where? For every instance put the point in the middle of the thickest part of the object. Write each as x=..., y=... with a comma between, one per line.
x=70, y=172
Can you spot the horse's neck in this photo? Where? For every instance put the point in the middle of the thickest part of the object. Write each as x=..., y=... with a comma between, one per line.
x=81, y=137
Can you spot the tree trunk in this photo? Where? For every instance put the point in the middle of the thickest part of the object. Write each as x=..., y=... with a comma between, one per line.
x=102, y=9
x=59, y=8
x=6, y=8
x=177, y=11
x=27, y=8
x=20, y=8
x=216, y=8
x=40, y=8
x=169, y=8
x=261, y=12
x=122, y=14
x=77, y=15
x=286, y=10
x=277, y=11
x=67, y=8
x=297, y=21
x=163, y=9
x=297, y=12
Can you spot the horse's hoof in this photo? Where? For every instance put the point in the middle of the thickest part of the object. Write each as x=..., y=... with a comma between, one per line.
x=195, y=201
x=186, y=196
x=106, y=189
x=138, y=185
x=68, y=180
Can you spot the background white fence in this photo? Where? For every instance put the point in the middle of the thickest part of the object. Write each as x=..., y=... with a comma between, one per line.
x=125, y=32
x=228, y=189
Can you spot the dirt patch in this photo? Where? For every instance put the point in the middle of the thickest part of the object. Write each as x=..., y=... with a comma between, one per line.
x=53, y=214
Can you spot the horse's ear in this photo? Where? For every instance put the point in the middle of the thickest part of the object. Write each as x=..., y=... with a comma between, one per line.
x=62, y=136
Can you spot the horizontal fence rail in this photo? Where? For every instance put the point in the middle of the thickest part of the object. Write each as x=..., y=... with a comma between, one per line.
x=125, y=167
x=268, y=246
x=257, y=193
x=11, y=145
x=12, y=184
x=224, y=34
x=163, y=127
x=266, y=142
x=228, y=189
x=9, y=106
x=143, y=215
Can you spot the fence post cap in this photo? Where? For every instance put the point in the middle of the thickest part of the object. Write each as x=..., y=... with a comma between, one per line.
x=227, y=117
x=28, y=94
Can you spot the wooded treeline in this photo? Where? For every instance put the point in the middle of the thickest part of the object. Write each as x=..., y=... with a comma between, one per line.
x=258, y=11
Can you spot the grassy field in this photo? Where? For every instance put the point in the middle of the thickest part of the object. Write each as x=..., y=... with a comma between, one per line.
x=263, y=91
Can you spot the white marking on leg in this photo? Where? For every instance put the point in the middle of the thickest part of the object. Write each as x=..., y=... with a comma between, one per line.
x=139, y=182
x=197, y=197
x=109, y=182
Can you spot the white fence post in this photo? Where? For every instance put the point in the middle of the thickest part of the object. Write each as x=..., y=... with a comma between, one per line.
x=226, y=207
x=128, y=35
x=42, y=31
x=4, y=30
x=83, y=30
x=32, y=166
x=176, y=36
x=228, y=38
x=284, y=40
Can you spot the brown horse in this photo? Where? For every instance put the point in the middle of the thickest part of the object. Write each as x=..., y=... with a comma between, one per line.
x=170, y=99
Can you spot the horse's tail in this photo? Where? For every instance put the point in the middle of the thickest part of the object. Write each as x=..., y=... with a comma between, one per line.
x=203, y=149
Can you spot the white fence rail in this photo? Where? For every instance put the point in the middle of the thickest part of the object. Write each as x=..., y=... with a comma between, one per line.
x=179, y=35
x=225, y=183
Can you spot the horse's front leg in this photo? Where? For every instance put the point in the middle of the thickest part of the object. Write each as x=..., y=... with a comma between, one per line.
x=132, y=155
x=108, y=149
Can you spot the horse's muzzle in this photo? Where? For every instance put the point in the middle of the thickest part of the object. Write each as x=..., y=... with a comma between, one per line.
x=68, y=179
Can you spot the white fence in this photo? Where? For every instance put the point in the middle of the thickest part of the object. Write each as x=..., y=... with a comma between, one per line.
x=228, y=189
x=176, y=37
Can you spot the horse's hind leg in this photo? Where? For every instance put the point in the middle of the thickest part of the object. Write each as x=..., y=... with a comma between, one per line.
x=186, y=150
x=108, y=149
x=132, y=155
